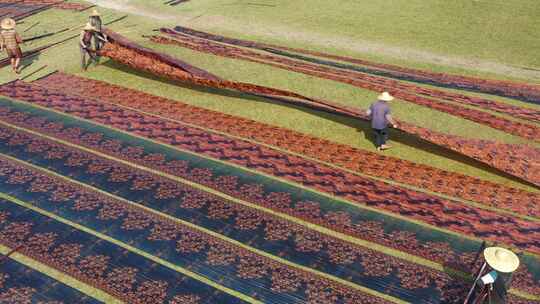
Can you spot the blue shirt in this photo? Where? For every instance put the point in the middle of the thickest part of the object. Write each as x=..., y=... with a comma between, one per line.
x=379, y=110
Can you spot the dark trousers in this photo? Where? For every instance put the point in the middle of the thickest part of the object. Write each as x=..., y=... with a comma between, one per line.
x=98, y=43
x=84, y=53
x=381, y=136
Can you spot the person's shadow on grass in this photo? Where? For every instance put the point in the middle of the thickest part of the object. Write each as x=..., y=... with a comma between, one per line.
x=28, y=61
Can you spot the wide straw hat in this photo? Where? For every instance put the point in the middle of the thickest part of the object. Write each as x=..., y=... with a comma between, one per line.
x=385, y=96
x=500, y=259
x=94, y=13
x=8, y=24
x=89, y=27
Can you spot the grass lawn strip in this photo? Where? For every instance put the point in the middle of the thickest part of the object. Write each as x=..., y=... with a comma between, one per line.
x=295, y=120
x=135, y=56
x=452, y=30
x=402, y=90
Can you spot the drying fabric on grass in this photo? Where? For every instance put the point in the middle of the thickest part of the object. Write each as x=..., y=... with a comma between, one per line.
x=254, y=230
x=498, y=155
x=402, y=91
x=113, y=195
x=361, y=161
x=442, y=212
x=22, y=284
x=523, y=91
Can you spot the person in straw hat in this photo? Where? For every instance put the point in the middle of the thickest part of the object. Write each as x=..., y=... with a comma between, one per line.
x=85, y=44
x=95, y=21
x=501, y=259
x=10, y=40
x=503, y=262
x=379, y=113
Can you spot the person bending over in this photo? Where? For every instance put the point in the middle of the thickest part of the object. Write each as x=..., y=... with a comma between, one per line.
x=85, y=44
x=95, y=21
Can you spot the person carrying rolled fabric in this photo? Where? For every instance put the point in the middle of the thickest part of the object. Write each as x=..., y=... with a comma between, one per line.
x=379, y=113
x=10, y=40
x=95, y=21
x=85, y=44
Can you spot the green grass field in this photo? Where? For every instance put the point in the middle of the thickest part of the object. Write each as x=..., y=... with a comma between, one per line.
x=492, y=39
x=338, y=20
x=495, y=31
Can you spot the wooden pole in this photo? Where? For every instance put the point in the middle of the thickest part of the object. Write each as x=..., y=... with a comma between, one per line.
x=478, y=276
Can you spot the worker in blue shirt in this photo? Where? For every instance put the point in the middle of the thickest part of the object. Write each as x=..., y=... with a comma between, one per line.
x=379, y=113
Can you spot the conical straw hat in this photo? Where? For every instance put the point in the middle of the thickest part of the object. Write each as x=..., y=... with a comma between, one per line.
x=94, y=13
x=385, y=96
x=500, y=259
x=8, y=24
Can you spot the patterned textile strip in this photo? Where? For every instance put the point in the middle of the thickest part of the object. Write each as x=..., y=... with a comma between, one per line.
x=323, y=250
x=165, y=161
x=62, y=4
x=421, y=176
x=20, y=145
x=522, y=112
x=522, y=91
x=182, y=66
x=211, y=255
x=20, y=10
x=85, y=255
x=22, y=284
x=429, y=209
x=401, y=91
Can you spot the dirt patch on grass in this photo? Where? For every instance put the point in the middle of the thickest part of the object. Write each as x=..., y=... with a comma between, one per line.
x=127, y=7
x=320, y=40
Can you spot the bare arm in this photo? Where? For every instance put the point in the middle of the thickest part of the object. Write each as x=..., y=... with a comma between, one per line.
x=81, y=42
x=391, y=120
x=102, y=37
x=18, y=38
